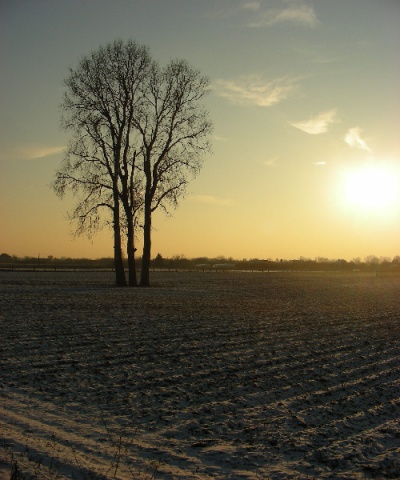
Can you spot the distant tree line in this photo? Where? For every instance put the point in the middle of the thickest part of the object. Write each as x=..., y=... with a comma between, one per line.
x=180, y=262
x=370, y=263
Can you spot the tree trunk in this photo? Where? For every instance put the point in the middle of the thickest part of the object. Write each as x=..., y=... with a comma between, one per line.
x=119, y=264
x=145, y=274
x=118, y=260
x=130, y=247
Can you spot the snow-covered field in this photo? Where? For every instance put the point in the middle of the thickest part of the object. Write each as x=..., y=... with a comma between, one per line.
x=203, y=375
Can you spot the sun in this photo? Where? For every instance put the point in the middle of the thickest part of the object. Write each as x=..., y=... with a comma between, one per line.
x=372, y=187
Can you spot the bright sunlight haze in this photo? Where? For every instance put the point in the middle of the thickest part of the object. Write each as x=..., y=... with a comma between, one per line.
x=375, y=188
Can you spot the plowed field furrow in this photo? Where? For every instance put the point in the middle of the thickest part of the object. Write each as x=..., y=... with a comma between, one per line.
x=202, y=376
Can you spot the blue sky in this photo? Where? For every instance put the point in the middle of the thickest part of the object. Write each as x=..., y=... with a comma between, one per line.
x=304, y=97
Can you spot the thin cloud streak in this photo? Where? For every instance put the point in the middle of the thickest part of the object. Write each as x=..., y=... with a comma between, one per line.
x=297, y=14
x=271, y=162
x=213, y=200
x=264, y=14
x=36, y=152
x=319, y=124
x=254, y=90
x=353, y=139
x=254, y=6
x=218, y=138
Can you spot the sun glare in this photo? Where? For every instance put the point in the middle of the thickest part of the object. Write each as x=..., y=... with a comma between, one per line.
x=372, y=188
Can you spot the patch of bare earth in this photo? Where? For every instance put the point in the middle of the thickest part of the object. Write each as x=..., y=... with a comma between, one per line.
x=204, y=375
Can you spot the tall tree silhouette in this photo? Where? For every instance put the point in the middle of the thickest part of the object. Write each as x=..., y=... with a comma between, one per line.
x=174, y=129
x=102, y=96
x=138, y=133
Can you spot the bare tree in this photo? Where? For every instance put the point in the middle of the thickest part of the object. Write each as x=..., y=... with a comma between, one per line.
x=174, y=130
x=103, y=96
x=139, y=133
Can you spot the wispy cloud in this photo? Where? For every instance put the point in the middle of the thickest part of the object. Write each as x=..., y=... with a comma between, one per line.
x=353, y=139
x=270, y=162
x=319, y=164
x=311, y=54
x=294, y=12
x=252, y=5
x=254, y=90
x=33, y=152
x=213, y=200
x=218, y=138
x=266, y=13
x=318, y=124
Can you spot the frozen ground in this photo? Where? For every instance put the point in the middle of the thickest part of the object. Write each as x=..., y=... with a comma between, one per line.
x=204, y=375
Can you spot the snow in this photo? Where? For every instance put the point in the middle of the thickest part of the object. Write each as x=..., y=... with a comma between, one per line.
x=204, y=375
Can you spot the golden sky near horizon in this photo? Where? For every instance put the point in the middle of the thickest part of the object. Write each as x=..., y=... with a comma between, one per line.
x=305, y=104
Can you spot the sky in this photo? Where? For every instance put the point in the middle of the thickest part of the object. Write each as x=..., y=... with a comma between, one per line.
x=305, y=102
